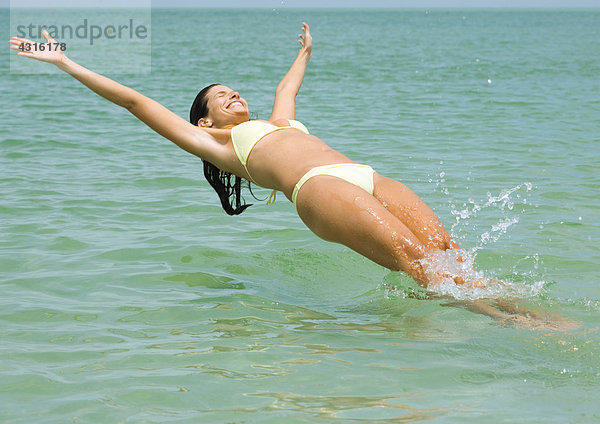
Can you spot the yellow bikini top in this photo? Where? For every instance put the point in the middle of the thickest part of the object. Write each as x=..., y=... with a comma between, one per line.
x=245, y=136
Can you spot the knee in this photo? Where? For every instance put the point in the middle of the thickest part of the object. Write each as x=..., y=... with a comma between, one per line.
x=407, y=257
x=439, y=241
x=414, y=268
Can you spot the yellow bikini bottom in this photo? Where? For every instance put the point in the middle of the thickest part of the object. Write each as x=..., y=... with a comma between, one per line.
x=355, y=173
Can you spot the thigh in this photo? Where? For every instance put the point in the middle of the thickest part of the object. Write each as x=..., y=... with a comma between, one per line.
x=341, y=212
x=405, y=205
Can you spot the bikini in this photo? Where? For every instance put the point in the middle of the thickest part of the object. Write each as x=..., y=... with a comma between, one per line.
x=245, y=136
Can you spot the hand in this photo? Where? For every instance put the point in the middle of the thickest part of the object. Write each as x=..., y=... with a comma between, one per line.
x=305, y=39
x=46, y=52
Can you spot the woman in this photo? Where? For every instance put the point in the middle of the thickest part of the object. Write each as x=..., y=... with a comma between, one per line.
x=338, y=199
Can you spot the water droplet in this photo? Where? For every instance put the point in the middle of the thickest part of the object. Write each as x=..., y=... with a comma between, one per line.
x=580, y=218
x=489, y=81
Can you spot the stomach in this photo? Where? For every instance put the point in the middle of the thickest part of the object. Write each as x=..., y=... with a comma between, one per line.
x=281, y=158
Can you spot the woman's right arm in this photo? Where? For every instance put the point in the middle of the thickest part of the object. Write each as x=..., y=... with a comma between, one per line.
x=185, y=135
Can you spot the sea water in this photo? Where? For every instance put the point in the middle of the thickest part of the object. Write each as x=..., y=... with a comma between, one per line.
x=128, y=295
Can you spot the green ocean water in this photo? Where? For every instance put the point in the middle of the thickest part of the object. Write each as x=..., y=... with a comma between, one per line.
x=128, y=295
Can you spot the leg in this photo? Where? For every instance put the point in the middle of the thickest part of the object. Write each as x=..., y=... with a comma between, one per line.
x=338, y=211
x=509, y=313
x=405, y=205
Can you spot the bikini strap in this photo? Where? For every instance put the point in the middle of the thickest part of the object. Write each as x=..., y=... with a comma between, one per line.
x=272, y=197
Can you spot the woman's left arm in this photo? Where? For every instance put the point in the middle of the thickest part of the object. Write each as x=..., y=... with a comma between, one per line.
x=284, y=106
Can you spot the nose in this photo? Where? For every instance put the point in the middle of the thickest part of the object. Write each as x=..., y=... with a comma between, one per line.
x=235, y=95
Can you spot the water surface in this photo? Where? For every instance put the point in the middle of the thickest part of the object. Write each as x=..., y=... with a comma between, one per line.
x=128, y=295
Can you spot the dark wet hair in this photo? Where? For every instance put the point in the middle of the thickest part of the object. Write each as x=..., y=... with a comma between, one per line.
x=229, y=193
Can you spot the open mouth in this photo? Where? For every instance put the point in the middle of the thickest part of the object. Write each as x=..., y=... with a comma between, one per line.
x=235, y=104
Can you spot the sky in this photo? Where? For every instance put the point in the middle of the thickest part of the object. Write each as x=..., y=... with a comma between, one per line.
x=282, y=4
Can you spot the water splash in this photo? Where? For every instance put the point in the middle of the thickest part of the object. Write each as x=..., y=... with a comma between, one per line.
x=494, y=289
x=504, y=202
x=276, y=10
x=453, y=273
x=443, y=268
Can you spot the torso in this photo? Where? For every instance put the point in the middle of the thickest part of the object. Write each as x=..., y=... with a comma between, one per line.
x=282, y=157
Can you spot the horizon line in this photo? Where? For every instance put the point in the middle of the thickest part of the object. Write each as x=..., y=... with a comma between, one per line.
x=321, y=7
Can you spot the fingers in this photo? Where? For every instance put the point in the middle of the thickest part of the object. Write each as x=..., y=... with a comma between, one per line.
x=301, y=39
x=23, y=45
x=47, y=37
x=305, y=29
x=305, y=39
x=18, y=46
x=16, y=43
x=19, y=40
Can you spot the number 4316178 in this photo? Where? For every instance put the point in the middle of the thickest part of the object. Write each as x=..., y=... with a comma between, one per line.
x=27, y=47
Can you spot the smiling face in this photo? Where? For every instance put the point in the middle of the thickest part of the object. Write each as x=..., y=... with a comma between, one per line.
x=226, y=108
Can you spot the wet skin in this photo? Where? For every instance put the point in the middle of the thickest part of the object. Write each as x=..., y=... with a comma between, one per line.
x=392, y=227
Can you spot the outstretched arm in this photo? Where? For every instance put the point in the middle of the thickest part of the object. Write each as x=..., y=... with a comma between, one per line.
x=284, y=106
x=152, y=113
